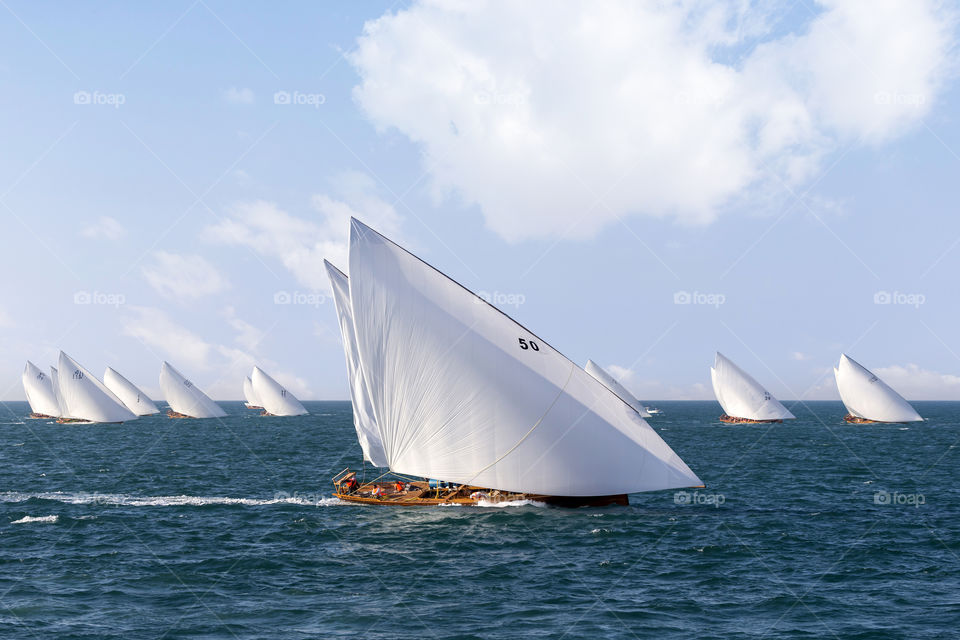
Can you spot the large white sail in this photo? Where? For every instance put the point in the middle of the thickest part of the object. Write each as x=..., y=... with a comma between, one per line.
x=86, y=398
x=185, y=398
x=463, y=393
x=274, y=398
x=368, y=433
x=39, y=389
x=249, y=395
x=55, y=383
x=867, y=396
x=614, y=385
x=134, y=399
x=741, y=396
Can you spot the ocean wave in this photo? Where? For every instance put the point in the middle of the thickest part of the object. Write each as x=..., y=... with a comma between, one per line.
x=27, y=519
x=118, y=499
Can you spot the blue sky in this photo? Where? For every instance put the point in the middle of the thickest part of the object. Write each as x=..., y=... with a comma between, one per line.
x=171, y=173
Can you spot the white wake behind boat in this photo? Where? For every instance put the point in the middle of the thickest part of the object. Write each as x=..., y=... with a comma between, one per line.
x=38, y=387
x=463, y=394
x=368, y=433
x=614, y=385
x=274, y=398
x=134, y=399
x=743, y=399
x=184, y=398
x=250, y=398
x=868, y=398
x=85, y=398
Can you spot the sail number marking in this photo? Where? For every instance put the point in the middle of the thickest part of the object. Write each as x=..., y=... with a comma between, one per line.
x=529, y=344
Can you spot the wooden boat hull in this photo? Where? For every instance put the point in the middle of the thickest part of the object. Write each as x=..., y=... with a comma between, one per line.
x=420, y=494
x=176, y=415
x=734, y=420
x=41, y=416
x=852, y=419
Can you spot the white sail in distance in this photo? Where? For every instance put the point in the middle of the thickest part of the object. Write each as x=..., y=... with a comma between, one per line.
x=134, y=399
x=85, y=397
x=275, y=399
x=368, y=433
x=463, y=393
x=867, y=396
x=55, y=383
x=249, y=396
x=741, y=396
x=614, y=385
x=184, y=397
x=38, y=387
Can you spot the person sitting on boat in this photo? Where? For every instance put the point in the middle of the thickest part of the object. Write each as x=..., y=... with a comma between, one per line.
x=376, y=492
x=400, y=486
x=350, y=485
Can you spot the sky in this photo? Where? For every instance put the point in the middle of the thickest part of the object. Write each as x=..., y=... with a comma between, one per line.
x=641, y=184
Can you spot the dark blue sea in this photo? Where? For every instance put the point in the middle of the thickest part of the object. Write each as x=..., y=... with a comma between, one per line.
x=213, y=529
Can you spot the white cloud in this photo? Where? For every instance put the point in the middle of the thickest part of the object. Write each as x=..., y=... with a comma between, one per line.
x=183, y=277
x=302, y=243
x=799, y=355
x=233, y=95
x=160, y=333
x=647, y=390
x=623, y=375
x=915, y=383
x=105, y=227
x=6, y=321
x=666, y=109
x=217, y=368
x=248, y=336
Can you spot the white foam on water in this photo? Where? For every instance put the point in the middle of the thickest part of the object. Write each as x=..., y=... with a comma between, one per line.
x=27, y=519
x=511, y=503
x=118, y=499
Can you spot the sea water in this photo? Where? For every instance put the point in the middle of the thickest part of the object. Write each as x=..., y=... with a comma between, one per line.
x=165, y=528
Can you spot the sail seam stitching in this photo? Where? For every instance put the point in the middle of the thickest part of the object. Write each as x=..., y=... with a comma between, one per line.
x=527, y=434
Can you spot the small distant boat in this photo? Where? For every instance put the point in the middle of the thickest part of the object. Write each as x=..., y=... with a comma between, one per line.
x=38, y=387
x=743, y=400
x=652, y=411
x=249, y=396
x=274, y=398
x=85, y=398
x=134, y=399
x=479, y=407
x=867, y=398
x=185, y=399
x=614, y=385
